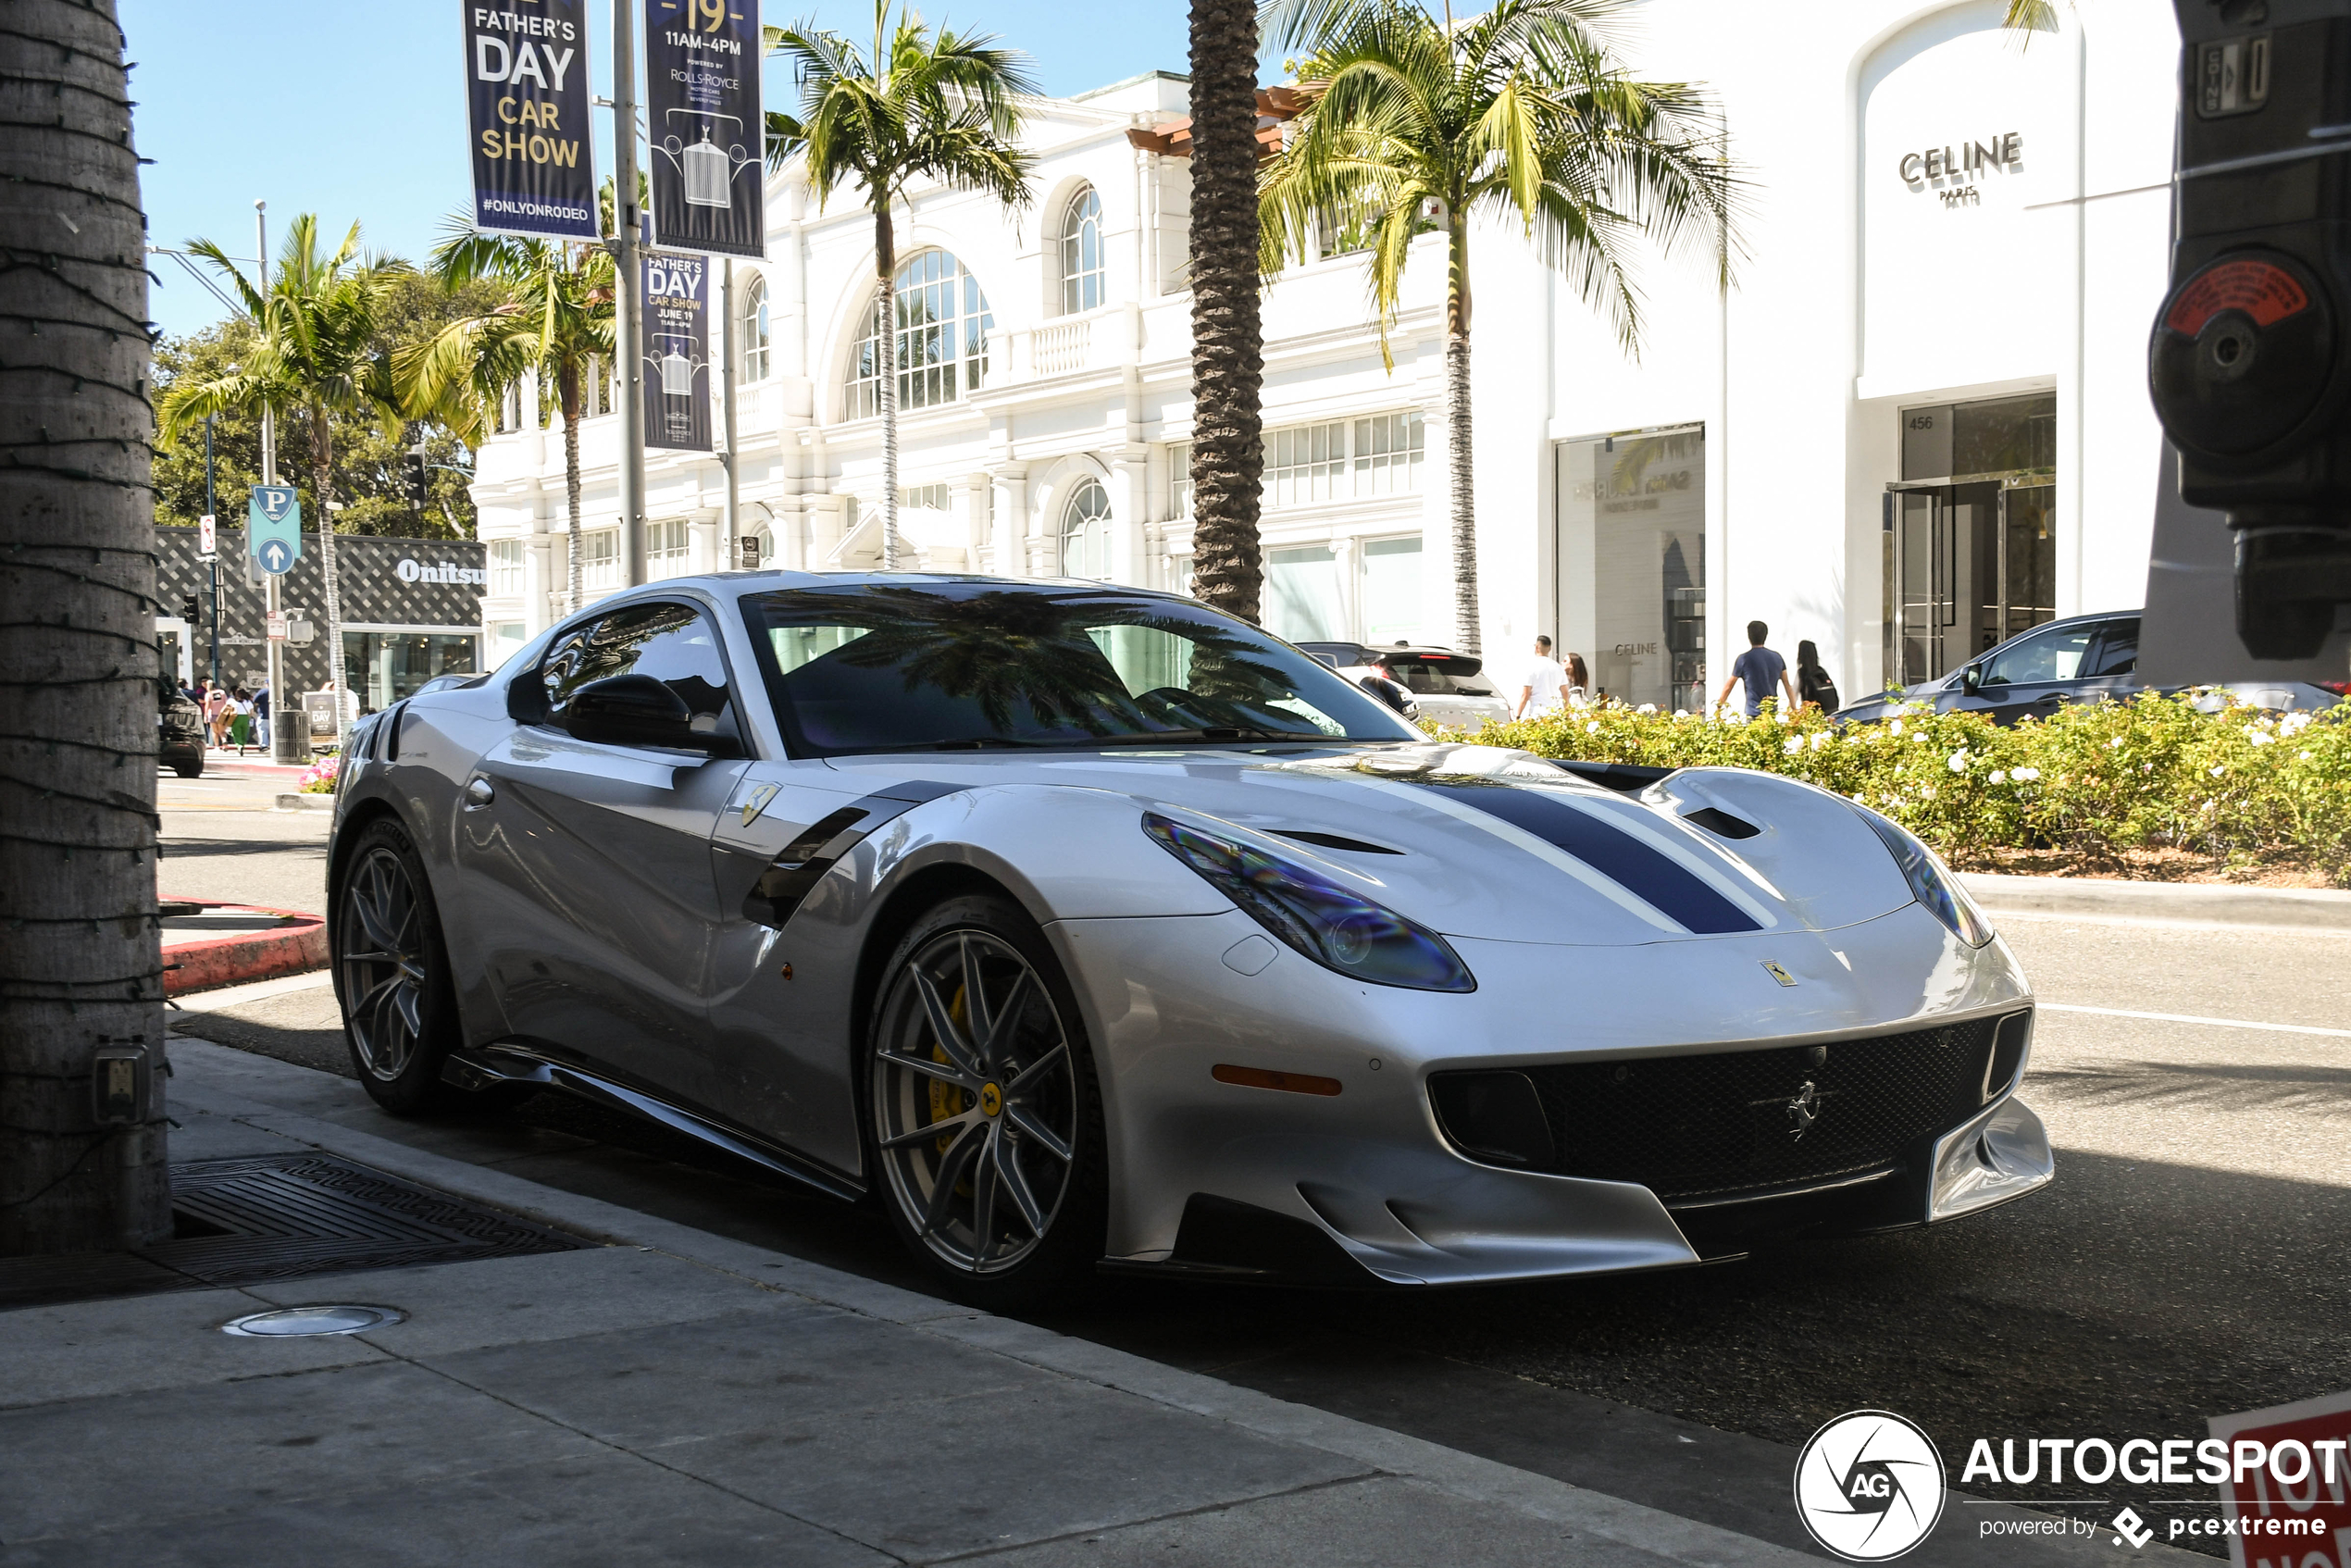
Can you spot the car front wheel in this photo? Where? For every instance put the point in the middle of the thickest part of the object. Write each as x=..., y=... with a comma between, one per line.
x=391, y=975
x=985, y=1118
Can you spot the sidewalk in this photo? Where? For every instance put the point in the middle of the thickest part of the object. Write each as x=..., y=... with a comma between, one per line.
x=672, y=1395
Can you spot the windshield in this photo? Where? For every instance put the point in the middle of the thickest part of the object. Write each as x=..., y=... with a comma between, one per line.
x=874, y=667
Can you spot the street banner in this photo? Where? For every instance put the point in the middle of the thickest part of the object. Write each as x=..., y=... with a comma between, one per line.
x=527, y=97
x=273, y=528
x=676, y=349
x=702, y=114
x=2286, y=1497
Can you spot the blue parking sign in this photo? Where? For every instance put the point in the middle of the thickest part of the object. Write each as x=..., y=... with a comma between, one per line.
x=273, y=528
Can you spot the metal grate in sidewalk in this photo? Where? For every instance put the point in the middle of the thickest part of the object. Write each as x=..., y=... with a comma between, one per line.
x=282, y=1216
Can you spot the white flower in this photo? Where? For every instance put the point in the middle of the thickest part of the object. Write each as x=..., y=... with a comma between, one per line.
x=1680, y=713
x=2025, y=774
x=1792, y=745
x=2218, y=771
x=2258, y=737
x=2303, y=756
x=1649, y=708
x=1784, y=716
x=2294, y=724
x=1919, y=736
x=1957, y=761
x=1591, y=727
x=2115, y=742
x=1821, y=738
x=1998, y=776
x=1895, y=729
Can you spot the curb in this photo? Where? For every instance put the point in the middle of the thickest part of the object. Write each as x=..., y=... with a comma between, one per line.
x=306, y=803
x=237, y=959
x=2168, y=903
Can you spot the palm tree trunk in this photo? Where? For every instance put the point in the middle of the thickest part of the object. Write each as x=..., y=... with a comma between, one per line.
x=78, y=966
x=1228, y=438
x=568, y=388
x=885, y=263
x=1463, y=502
x=322, y=468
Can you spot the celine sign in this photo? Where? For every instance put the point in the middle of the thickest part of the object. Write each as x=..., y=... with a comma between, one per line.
x=1966, y=159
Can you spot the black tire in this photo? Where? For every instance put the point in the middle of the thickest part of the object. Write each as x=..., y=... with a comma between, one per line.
x=391, y=978
x=1012, y=1092
x=190, y=769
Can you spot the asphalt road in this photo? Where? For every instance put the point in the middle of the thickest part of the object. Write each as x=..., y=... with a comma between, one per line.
x=2194, y=1257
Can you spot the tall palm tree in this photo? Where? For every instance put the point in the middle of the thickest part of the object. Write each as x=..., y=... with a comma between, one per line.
x=1521, y=114
x=321, y=354
x=556, y=317
x=941, y=106
x=78, y=967
x=1228, y=343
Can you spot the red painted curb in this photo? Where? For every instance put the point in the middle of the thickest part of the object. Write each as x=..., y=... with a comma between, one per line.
x=214, y=961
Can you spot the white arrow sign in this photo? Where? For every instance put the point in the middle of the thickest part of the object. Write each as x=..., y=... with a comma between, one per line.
x=276, y=557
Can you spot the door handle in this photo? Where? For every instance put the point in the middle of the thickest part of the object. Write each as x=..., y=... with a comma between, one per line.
x=2051, y=700
x=479, y=792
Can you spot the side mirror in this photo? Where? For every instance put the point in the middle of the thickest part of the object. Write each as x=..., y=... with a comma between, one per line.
x=1972, y=680
x=636, y=710
x=1387, y=691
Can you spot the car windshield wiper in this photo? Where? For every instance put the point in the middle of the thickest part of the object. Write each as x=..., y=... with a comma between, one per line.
x=961, y=744
x=1219, y=732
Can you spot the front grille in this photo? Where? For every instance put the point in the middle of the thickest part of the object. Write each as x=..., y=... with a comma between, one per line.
x=1700, y=1128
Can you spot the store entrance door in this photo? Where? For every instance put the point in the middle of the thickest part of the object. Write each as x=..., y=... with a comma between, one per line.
x=1967, y=566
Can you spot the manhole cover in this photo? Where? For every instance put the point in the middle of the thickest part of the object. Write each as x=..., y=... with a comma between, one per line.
x=290, y=1322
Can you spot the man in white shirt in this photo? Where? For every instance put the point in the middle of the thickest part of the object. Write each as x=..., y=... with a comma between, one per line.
x=1546, y=688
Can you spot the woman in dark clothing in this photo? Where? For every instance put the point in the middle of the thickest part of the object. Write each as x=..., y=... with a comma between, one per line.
x=1812, y=682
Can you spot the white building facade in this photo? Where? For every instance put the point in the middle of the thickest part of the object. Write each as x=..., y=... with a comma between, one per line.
x=1917, y=423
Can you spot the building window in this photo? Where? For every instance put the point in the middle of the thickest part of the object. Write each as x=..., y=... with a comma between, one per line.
x=506, y=639
x=1301, y=594
x=750, y=323
x=1345, y=459
x=1086, y=532
x=1391, y=595
x=505, y=565
x=1082, y=279
x=924, y=498
x=665, y=545
x=1632, y=564
x=1179, y=479
x=942, y=343
x=599, y=559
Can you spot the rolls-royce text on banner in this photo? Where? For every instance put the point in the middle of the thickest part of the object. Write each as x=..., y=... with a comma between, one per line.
x=527, y=95
x=676, y=350
x=702, y=114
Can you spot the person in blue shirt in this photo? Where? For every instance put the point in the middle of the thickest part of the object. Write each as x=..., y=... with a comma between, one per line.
x=1761, y=669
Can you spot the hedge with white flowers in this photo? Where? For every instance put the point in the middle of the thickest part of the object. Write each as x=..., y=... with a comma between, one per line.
x=2097, y=781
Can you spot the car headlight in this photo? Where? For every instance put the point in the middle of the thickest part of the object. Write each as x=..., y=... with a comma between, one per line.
x=1930, y=881
x=1334, y=925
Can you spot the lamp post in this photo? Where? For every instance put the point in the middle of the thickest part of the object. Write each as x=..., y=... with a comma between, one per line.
x=214, y=562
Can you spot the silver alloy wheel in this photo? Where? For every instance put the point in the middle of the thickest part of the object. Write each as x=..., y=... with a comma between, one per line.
x=975, y=1100
x=382, y=963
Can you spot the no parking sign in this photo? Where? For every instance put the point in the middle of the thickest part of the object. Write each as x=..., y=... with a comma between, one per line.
x=2286, y=1500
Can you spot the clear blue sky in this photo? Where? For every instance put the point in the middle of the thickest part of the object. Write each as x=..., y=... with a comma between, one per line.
x=359, y=113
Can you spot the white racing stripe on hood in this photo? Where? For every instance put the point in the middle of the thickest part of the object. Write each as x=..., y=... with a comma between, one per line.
x=1519, y=838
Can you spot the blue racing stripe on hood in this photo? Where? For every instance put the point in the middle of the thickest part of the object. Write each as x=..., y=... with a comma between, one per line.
x=1667, y=886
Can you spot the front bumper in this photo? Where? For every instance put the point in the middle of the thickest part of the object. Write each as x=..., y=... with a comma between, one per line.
x=1368, y=1168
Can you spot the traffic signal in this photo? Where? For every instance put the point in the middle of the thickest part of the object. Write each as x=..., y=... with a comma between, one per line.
x=419, y=476
x=191, y=609
x=2250, y=359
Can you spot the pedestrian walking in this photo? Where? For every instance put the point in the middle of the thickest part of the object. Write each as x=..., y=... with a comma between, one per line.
x=215, y=714
x=1545, y=691
x=1814, y=684
x=241, y=719
x=261, y=716
x=1760, y=669
x=1579, y=683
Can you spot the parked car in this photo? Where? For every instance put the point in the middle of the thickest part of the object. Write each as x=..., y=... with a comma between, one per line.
x=1087, y=926
x=180, y=733
x=1450, y=688
x=2080, y=659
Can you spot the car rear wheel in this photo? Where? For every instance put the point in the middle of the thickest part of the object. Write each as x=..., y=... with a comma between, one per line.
x=391, y=977
x=190, y=769
x=985, y=1119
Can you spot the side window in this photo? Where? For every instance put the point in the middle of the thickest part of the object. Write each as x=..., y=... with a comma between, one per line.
x=2055, y=654
x=2117, y=649
x=673, y=644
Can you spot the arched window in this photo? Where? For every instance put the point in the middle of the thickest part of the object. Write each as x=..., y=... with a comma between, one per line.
x=1082, y=253
x=943, y=324
x=751, y=328
x=1086, y=532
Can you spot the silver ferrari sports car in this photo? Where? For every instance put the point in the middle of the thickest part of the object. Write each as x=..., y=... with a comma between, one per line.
x=1082, y=926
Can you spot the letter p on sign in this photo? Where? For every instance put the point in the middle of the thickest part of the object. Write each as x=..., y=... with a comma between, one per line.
x=2302, y=1475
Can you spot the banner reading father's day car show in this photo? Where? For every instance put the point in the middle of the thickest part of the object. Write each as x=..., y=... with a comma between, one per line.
x=703, y=113
x=526, y=102
x=676, y=350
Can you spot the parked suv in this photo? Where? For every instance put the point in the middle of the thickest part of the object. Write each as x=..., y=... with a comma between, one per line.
x=1449, y=687
x=2080, y=659
x=178, y=730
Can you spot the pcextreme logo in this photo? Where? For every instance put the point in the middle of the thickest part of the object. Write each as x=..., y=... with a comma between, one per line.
x=1869, y=1486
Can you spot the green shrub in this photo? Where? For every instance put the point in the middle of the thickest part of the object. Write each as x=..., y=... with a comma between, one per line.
x=2094, y=781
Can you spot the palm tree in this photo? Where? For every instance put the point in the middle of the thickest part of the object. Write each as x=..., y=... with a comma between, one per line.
x=1228, y=344
x=320, y=354
x=1520, y=113
x=78, y=967
x=943, y=105
x=557, y=317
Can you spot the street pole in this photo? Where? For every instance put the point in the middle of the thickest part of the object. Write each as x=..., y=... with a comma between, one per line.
x=731, y=521
x=628, y=354
x=216, y=550
x=281, y=733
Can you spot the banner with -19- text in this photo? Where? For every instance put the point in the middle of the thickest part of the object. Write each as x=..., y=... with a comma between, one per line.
x=703, y=113
x=676, y=350
x=526, y=98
